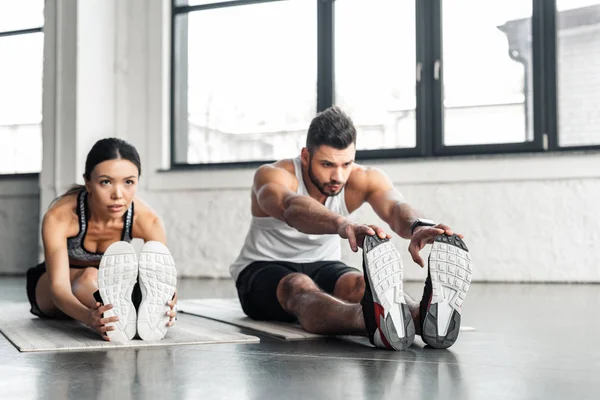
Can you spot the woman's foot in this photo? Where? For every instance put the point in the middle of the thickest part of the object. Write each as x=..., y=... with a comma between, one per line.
x=117, y=276
x=158, y=280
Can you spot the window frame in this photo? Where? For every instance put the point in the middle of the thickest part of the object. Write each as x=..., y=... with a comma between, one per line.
x=21, y=32
x=429, y=97
x=550, y=22
x=4, y=34
x=541, y=126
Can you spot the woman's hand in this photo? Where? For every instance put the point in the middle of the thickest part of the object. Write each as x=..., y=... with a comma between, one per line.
x=98, y=323
x=172, y=313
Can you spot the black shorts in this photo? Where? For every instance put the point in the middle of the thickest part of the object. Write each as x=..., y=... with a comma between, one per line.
x=33, y=276
x=257, y=285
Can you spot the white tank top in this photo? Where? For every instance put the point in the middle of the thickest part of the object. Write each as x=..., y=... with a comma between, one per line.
x=270, y=239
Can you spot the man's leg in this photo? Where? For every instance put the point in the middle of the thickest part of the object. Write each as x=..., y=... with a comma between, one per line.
x=414, y=308
x=257, y=290
x=279, y=291
x=297, y=296
x=317, y=311
x=337, y=279
x=350, y=287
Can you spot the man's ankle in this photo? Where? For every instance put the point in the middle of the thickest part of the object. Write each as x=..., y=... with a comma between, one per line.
x=415, y=309
x=360, y=321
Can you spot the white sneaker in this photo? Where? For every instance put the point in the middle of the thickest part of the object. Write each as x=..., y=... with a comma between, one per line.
x=446, y=287
x=387, y=317
x=158, y=280
x=117, y=276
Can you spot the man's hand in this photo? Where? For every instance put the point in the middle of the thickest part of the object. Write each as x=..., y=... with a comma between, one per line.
x=426, y=235
x=355, y=233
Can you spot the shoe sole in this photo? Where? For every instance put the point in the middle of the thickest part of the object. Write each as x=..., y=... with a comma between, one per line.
x=385, y=275
x=117, y=276
x=450, y=268
x=158, y=280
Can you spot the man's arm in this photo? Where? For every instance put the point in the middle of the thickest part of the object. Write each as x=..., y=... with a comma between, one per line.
x=390, y=206
x=272, y=187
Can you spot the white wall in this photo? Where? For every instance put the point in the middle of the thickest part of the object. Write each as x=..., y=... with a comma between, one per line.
x=526, y=218
x=19, y=216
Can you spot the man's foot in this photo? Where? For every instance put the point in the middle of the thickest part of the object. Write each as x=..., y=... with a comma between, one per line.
x=117, y=275
x=386, y=314
x=158, y=279
x=448, y=280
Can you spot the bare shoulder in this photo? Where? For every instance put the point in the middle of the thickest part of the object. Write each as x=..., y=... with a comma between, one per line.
x=142, y=208
x=62, y=211
x=143, y=214
x=363, y=183
x=147, y=224
x=281, y=172
x=366, y=179
x=61, y=217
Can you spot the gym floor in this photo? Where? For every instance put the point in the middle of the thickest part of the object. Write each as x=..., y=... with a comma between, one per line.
x=531, y=342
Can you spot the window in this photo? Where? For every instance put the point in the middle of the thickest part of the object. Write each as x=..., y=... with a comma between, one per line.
x=251, y=81
x=419, y=78
x=375, y=60
x=487, y=96
x=578, y=62
x=21, y=52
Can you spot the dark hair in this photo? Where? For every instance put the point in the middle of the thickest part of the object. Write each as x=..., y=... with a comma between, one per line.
x=331, y=127
x=104, y=150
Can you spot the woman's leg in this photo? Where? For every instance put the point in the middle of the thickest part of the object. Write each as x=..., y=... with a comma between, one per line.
x=84, y=282
x=84, y=285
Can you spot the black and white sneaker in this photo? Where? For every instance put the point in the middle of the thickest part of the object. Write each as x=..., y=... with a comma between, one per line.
x=158, y=280
x=387, y=318
x=117, y=276
x=448, y=280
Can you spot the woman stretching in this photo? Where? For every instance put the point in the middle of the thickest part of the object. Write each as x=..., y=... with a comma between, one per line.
x=91, y=272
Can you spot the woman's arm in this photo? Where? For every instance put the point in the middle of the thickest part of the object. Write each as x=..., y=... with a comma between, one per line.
x=147, y=225
x=55, y=227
